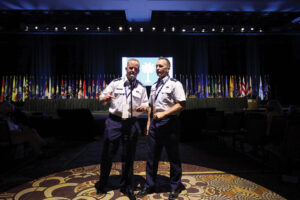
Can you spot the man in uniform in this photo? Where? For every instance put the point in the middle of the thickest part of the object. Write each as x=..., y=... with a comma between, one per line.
x=167, y=99
x=120, y=126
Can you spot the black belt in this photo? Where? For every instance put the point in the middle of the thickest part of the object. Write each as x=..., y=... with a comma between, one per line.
x=117, y=118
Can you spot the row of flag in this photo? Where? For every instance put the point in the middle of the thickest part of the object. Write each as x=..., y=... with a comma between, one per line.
x=226, y=86
x=21, y=87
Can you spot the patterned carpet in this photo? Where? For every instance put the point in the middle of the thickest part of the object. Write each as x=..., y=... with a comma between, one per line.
x=199, y=182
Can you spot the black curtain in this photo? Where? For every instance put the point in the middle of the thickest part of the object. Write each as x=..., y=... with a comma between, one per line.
x=101, y=54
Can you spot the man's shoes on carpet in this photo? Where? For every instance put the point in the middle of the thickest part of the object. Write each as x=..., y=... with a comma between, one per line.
x=174, y=194
x=99, y=189
x=144, y=191
x=128, y=192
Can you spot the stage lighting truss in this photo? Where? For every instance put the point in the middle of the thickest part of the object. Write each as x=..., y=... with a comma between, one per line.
x=121, y=29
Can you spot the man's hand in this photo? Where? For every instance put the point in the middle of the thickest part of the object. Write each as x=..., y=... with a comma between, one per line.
x=108, y=97
x=159, y=115
x=142, y=108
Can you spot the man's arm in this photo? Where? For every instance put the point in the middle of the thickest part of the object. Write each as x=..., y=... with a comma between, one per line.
x=177, y=108
x=149, y=119
x=105, y=99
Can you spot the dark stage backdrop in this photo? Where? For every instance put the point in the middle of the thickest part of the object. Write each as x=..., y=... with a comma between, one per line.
x=278, y=56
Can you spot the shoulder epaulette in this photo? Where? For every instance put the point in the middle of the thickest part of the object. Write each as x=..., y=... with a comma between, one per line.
x=173, y=79
x=117, y=79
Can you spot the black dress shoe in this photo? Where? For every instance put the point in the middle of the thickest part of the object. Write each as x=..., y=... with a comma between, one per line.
x=99, y=189
x=128, y=192
x=174, y=194
x=144, y=191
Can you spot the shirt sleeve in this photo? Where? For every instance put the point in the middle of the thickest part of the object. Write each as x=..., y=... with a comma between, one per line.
x=179, y=94
x=144, y=97
x=108, y=89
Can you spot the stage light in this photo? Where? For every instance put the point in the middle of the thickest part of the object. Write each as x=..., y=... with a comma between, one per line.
x=164, y=30
x=260, y=30
x=55, y=29
x=98, y=28
x=173, y=29
x=141, y=29
x=87, y=28
x=26, y=28
x=130, y=29
x=222, y=29
x=252, y=29
x=153, y=28
x=109, y=28
x=183, y=30
x=193, y=29
x=65, y=28
x=242, y=29
x=203, y=30
x=76, y=28
x=213, y=29
x=36, y=27
x=120, y=28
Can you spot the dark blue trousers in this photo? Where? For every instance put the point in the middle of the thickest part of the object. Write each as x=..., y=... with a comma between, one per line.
x=164, y=133
x=119, y=131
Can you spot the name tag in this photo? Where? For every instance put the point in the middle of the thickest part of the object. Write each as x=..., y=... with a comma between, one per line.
x=125, y=113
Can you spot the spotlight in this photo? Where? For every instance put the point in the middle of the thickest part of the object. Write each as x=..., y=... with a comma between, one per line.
x=222, y=29
x=120, y=28
x=87, y=28
x=65, y=28
x=183, y=30
x=252, y=29
x=76, y=28
x=56, y=29
x=213, y=29
x=130, y=29
x=260, y=30
x=153, y=28
x=193, y=29
x=141, y=29
x=109, y=28
x=26, y=28
x=98, y=28
x=242, y=29
x=164, y=30
x=203, y=30
x=36, y=27
x=173, y=29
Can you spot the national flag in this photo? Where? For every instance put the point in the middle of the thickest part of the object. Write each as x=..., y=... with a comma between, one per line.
x=207, y=86
x=187, y=86
x=2, y=89
x=243, y=87
x=261, y=93
x=226, y=86
x=80, y=89
x=266, y=88
x=57, y=92
x=25, y=88
x=240, y=86
x=84, y=89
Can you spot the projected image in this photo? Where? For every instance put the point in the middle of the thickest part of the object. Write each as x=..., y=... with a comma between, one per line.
x=147, y=73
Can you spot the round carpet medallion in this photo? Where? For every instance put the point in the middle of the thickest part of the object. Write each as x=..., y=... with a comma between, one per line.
x=199, y=182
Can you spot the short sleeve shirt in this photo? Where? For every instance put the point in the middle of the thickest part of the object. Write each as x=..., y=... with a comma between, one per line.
x=121, y=91
x=166, y=93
